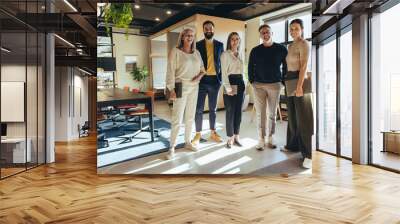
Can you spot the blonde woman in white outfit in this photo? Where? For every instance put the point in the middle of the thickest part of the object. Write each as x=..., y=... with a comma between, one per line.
x=185, y=66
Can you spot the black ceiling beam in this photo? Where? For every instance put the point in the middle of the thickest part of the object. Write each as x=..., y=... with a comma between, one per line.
x=78, y=61
x=207, y=1
x=49, y=22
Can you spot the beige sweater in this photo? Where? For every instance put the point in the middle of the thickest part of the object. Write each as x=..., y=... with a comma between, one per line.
x=182, y=66
x=298, y=53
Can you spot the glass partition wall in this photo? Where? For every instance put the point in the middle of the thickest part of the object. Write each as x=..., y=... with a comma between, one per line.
x=22, y=76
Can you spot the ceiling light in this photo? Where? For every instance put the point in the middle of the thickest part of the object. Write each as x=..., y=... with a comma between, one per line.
x=337, y=7
x=5, y=50
x=169, y=12
x=137, y=6
x=64, y=40
x=86, y=72
x=157, y=19
x=187, y=3
x=43, y=7
x=70, y=5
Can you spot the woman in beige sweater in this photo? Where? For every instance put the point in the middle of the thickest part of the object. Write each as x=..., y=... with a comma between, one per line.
x=185, y=69
x=299, y=103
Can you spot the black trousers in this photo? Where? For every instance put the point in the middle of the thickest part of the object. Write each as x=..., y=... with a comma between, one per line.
x=233, y=106
x=300, y=124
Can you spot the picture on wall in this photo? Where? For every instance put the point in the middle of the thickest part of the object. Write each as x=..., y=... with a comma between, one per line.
x=130, y=63
x=214, y=96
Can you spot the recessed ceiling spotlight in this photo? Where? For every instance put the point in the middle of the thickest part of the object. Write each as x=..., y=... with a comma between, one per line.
x=169, y=12
x=137, y=6
x=157, y=19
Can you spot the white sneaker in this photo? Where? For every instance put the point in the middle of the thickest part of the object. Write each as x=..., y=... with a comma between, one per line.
x=307, y=163
x=190, y=146
x=271, y=143
x=171, y=154
x=261, y=144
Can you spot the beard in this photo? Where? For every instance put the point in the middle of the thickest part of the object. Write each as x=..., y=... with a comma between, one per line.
x=208, y=35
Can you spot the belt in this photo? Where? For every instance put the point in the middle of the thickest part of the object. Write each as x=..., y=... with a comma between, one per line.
x=292, y=75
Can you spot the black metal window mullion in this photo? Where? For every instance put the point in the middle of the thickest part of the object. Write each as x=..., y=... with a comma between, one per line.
x=37, y=91
x=338, y=94
x=369, y=97
x=317, y=96
x=26, y=86
x=286, y=30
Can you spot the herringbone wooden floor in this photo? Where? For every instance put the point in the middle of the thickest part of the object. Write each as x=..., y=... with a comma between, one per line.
x=70, y=191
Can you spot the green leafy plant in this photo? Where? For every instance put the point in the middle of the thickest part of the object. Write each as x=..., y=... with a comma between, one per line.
x=120, y=14
x=140, y=75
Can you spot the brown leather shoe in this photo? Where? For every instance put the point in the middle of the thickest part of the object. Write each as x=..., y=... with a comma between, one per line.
x=215, y=137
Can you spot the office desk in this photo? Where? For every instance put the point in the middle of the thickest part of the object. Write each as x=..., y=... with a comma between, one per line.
x=115, y=96
x=13, y=150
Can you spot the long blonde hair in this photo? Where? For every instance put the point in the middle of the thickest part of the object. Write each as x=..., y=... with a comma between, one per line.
x=180, y=39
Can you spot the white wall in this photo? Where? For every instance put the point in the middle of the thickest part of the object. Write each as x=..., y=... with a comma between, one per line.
x=71, y=102
x=252, y=34
x=134, y=45
x=15, y=72
x=223, y=27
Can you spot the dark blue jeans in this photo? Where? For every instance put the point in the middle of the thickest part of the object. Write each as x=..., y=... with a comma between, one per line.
x=210, y=88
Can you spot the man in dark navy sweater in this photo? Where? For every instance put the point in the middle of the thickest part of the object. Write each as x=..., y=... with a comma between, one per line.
x=267, y=64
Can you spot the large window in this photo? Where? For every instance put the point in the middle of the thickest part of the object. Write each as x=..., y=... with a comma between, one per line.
x=385, y=89
x=105, y=79
x=346, y=93
x=327, y=96
x=335, y=108
x=278, y=28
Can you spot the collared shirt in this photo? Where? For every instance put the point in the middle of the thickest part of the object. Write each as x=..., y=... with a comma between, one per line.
x=210, y=58
x=230, y=64
x=182, y=66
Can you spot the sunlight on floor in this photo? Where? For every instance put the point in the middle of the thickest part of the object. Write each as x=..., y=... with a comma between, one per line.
x=153, y=164
x=232, y=165
x=179, y=169
x=224, y=152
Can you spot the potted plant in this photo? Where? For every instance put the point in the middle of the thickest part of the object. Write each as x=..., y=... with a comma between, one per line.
x=120, y=14
x=140, y=75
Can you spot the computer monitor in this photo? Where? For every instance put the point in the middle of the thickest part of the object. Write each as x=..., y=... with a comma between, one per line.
x=3, y=129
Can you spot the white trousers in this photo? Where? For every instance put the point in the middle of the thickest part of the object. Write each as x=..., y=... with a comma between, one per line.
x=184, y=105
x=266, y=97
